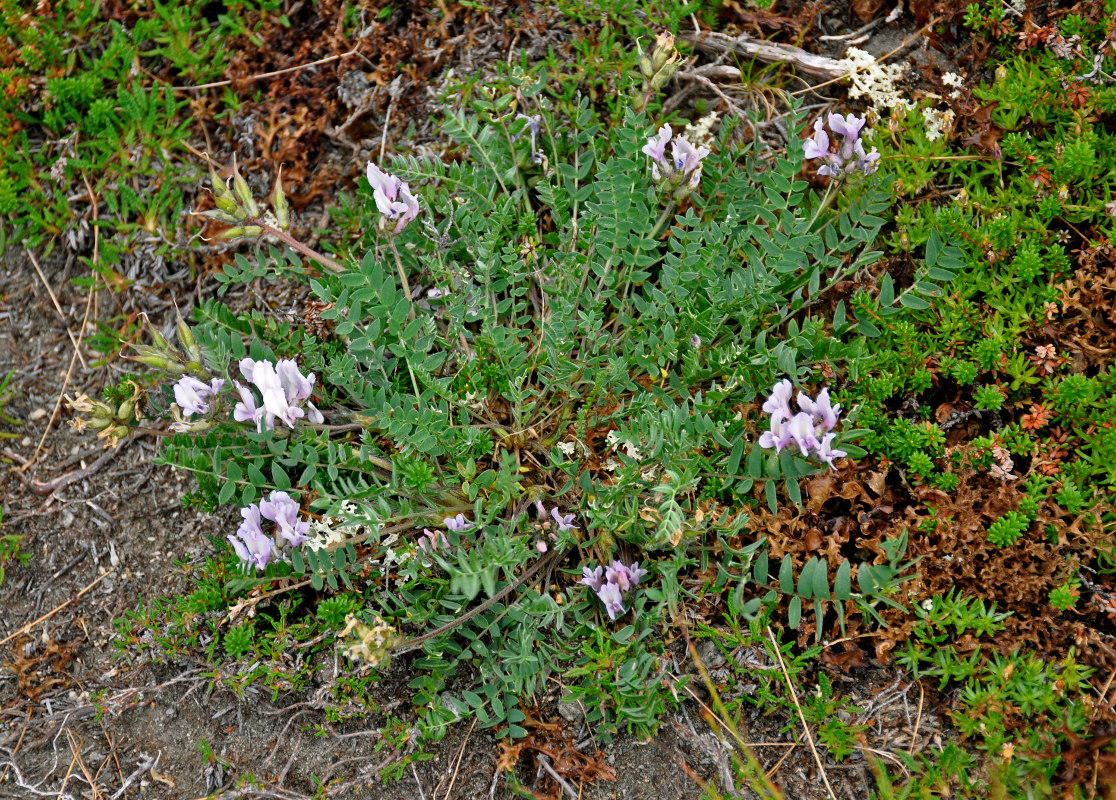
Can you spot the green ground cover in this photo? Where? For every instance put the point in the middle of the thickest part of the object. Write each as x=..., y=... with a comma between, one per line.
x=561, y=359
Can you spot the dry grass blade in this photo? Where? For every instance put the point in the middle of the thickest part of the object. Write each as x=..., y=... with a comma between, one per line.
x=801, y=715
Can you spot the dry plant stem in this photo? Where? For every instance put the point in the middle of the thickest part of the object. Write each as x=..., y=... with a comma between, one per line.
x=413, y=644
x=801, y=715
x=69, y=370
x=918, y=719
x=460, y=753
x=545, y=762
x=57, y=308
x=263, y=75
x=294, y=244
x=43, y=489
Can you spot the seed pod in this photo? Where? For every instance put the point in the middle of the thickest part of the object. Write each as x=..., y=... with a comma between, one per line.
x=222, y=216
x=220, y=188
x=279, y=203
x=160, y=342
x=226, y=203
x=240, y=186
x=186, y=338
x=159, y=359
x=118, y=433
x=101, y=415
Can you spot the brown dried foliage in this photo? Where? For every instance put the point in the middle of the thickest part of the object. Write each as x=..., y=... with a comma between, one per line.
x=556, y=742
x=849, y=514
x=43, y=671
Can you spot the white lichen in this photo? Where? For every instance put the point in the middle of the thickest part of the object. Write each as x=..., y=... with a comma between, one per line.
x=875, y=81
x=938, y=123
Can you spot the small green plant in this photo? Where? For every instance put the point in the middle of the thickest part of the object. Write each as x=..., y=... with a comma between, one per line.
x=9, y=550
x=989, y=398
x=239, y=640
x=1007, y=530
x=1064, y=597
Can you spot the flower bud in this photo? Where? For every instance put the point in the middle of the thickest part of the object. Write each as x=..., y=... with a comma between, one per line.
x=101, y=415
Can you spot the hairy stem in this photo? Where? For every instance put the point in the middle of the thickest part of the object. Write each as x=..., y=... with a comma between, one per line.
x=294, y=244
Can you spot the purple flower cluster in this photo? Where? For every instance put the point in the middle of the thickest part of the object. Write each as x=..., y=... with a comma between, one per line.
x=393, y=197
x=433, y=540
x=850, y=156
x=549, y=521
x=611, y=584
x=810, y=429
x=252, y=545
x=283, y=390
x=684, y=161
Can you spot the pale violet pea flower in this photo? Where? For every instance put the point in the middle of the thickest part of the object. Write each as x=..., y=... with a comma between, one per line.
x=818, y=146
x=801, y=430
x=252, y=546
x=623, y=576
x=849, y=156
x=655, y=149
x=193, y=396
x=867, y=162
x=821, y=410
x=246, y=410
x=282, y=510
x=432, y=540
x=532, y=128
x=275, y=402
x=611, y=584
x=458, y=523
x=594, y=578
x=779, y=401
x=826, y=452
x=779, y=434
x=393, y=197
x=687, y=158
x=613, y=600
x=848, y=127
x=565, y=522
x=282, y=388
